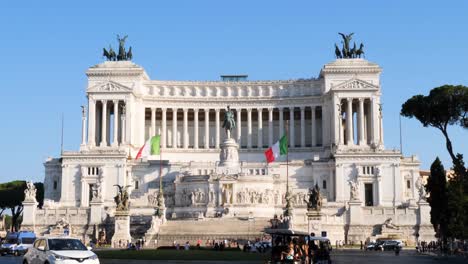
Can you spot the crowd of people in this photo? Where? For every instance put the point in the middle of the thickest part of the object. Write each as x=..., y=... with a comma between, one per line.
x=455, y=247
x=127, y=244
x=302, y=249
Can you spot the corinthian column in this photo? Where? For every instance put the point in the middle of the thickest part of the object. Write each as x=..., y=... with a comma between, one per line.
x=314, y=127
x=270, y=126
x=260, y=128
x=195, y=129
x=115, y=141
x=92, y=122
x=207, y=128
x=185, y=134
x=239, y=125
x=174, y=128
x=292, y=141
x=217, y=128
x=281, y=122
x=103, y=124
x=249, y=128
x=153, y=122
x=349, y=121
x=163, y=128
x=361, y=122
x=303, y=127
x=123, y=126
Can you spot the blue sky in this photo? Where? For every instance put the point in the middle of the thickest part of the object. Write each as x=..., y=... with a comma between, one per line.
x=46, y=47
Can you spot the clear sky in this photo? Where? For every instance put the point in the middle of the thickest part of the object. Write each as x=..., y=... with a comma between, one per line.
x=46, y=47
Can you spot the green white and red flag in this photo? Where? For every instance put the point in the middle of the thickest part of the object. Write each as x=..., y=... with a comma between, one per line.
x=278, y=149
x=151, y=147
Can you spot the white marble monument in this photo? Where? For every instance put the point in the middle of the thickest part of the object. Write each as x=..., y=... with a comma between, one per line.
x=336, y=141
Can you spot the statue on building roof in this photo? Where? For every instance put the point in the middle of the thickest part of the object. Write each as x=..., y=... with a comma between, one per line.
x=123, y=54
x=347, y=52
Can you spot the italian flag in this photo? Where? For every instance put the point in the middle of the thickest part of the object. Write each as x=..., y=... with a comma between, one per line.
x=151, y=147
x=278, y=149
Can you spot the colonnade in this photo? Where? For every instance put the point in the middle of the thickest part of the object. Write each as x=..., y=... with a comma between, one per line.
x=106, y=123
x=262, y=121
x=359, y=120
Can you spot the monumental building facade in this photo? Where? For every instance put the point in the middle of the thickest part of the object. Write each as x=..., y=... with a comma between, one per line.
x=336, y=140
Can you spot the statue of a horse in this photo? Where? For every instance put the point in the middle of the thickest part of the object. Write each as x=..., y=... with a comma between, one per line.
x=338, y=52
x=360, y=51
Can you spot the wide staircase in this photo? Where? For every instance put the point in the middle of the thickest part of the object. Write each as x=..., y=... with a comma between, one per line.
x=182, y=231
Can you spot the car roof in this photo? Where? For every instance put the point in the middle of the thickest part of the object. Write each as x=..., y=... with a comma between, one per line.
x=62, y=237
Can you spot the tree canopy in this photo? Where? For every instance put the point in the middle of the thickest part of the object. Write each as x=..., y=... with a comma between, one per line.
x=436, y=187
x=12, y=194
x=445, y=105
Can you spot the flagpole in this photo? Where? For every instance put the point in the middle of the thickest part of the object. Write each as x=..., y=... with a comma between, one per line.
x=287, y=158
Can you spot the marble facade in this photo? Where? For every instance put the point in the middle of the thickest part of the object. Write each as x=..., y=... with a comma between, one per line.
x=336, y=140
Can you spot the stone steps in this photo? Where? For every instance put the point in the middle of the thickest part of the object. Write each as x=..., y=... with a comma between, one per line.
x=208, y=228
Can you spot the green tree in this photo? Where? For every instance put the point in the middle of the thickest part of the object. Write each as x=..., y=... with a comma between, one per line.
x=436, y=187
x=12, y=194
x=445, y=105
x=458, y=202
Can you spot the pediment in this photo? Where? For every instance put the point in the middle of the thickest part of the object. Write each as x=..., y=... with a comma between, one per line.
x=355, y=84
x=110, y=87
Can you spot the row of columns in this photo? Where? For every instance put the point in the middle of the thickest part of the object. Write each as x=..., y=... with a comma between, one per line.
x=361, y=120
x=93, y=124
x=185, y=137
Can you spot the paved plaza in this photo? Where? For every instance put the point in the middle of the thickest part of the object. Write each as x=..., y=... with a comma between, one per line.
x=342, y=256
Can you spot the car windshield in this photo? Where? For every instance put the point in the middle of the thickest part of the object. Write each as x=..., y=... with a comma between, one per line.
x=11, y=241
x=66, y=244
x=28, y=240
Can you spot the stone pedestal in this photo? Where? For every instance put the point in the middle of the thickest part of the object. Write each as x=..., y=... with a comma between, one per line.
x=355, y=230
x=426, y=231
x=152, y=233
x=29, y=215
x=122, y=228
x=355, y=212
x=229, y=158
x=96, y=213
x=314, y=219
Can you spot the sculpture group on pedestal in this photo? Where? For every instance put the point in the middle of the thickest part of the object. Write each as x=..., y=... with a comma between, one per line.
x=122, y=198
x=315, y=199
x=346, y=52
x=122, y=56
x=30, y=192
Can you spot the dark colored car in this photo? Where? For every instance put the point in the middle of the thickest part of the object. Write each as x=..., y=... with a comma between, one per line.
x=379, y=245
x=391, y=245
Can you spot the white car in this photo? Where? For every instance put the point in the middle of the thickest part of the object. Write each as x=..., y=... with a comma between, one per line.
x=59, y=250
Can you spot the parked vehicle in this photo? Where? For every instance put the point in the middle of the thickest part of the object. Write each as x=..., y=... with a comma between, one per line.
x=10, y=242
x=371, y=246
x=25, y=241
x=392, y=245
x=379, y=245
x=59, y=250
x=17, y=243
